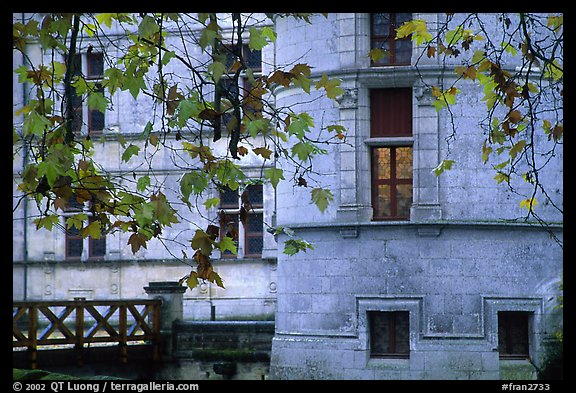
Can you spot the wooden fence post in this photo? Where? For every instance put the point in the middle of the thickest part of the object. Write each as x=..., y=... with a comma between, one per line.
x=79, y=331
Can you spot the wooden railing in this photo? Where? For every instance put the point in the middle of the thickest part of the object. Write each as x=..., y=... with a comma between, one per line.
x=80, y=322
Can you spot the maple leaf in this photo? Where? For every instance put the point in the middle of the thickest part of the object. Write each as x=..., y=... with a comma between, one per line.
x=262, y=151
x=202, y=242
x=136, y=241
x=92, y=230
x=274, y=175
x=192, y=280
x=215, y=278
x=321, y=197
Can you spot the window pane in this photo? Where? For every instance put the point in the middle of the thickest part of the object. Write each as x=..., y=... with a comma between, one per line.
x=96, y=120
x=254, y=195
x=402, y=51
x=404, y=163
x=73, y=243
x=403, y=200
x=389, y=333
x=229, y=198
x=95, y=65
x=383, y=202
x=255, y=223
x=402, y=325
x=98, y=247
x=379, y=332
x=401, y=18
x=380, y=24
x=383, y=162
x=254, y=246
x=253, y=59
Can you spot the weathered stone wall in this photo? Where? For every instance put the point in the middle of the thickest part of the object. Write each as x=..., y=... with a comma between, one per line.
x=453, y=283
x=463, y=256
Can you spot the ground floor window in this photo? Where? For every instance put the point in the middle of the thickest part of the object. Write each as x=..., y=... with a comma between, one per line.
x=389, y=334
x=513, y=338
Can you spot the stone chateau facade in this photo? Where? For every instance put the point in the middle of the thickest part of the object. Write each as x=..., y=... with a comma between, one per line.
x=412, y=276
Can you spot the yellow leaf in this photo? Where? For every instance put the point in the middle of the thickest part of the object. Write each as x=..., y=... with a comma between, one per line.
x=528, y=204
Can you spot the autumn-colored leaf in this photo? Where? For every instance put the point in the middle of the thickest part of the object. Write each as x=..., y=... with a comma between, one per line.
x=136, y=241
x=262, y=151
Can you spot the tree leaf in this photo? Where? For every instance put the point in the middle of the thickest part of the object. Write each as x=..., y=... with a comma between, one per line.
x=92, y=230
x=192, y=280
x=528, y=204
x=293, y=246
x=262, y=151
x=321, y=197
x=136, y=241
x=202, y=242
x=131, y=150
x=443, y=166
x=226, y=243
x=274, y=175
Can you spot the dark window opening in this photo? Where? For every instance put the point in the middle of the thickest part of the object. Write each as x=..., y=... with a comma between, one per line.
x=513, y=339
x=389, y=334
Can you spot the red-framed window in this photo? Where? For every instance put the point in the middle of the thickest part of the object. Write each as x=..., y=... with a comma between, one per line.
x=90, y=64
x=245, y=209
x=389, y=334
x=75, y=245
x=383, y=36
x=391, y=153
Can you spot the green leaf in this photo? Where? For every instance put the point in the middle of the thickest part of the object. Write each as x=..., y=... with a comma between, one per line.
x=114, y=79
x=300, y=124
x=134, y=84
x=47, y=222
x=211, y=202
x=148, y=27
x=486, y=150
x=274, y=175
x=143, y=182
x=321, y=197
x=195, y=182
x=443, y=166
x=92, y=230
x=96, y=100
x=517, y=148
x=217, y=69
x=131, y=150
x=331, y=86
x=163, y=211
x=500, y=177
x=36, y=124
x=105, y=18
x=77, y=221
x=303, y=150
x=192, y=280
x=226, y=243
x=257, y=40
x=293, y=246
x=202, y=241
